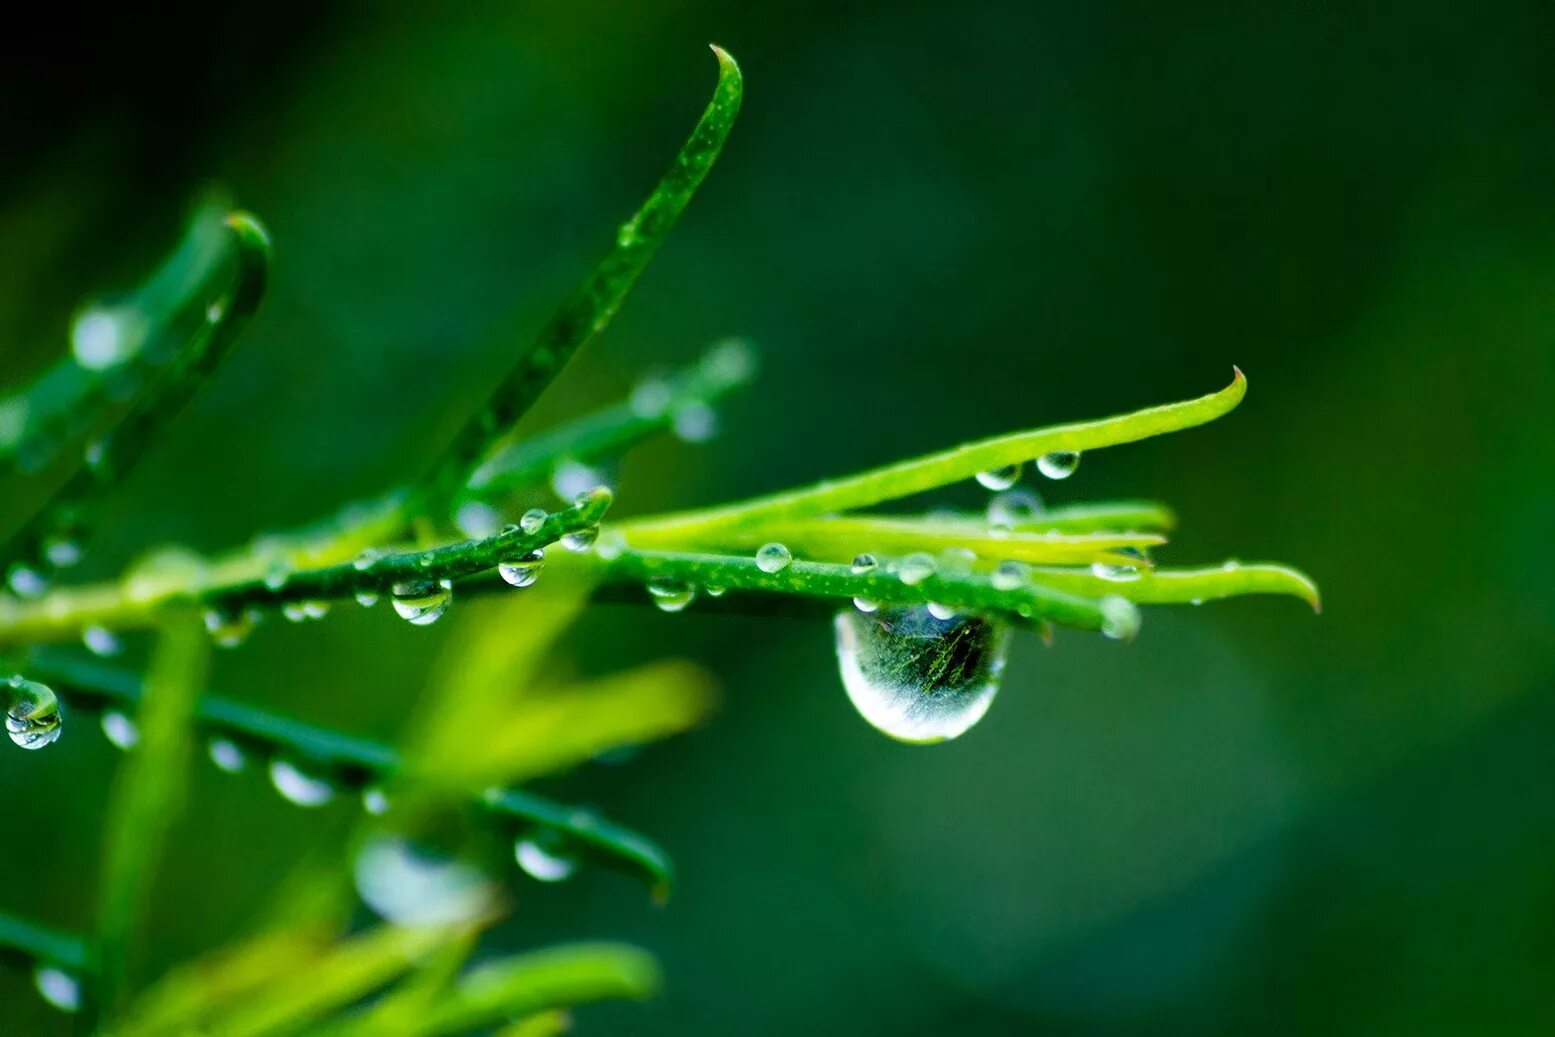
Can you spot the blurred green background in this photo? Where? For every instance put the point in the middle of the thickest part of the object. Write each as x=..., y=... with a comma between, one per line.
x=938, y=222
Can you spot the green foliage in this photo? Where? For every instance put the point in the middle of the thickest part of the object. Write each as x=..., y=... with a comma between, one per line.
x=420, y=854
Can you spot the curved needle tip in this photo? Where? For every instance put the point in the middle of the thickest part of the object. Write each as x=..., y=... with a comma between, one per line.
x=724, y=57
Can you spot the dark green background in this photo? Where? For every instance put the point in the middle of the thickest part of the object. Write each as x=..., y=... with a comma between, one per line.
x=938, y=222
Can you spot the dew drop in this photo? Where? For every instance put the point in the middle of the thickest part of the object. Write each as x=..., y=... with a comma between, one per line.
x=294, y=611
x=277, y=572
x=119, y=729
x=864, y=563
x=542, y=860
x=367, y=598
x=916, y=568
x=227, y=755
x=298, y=786
x=695, y=422
x=957, y=561
x=533, y=519
x=580, y=540
x=228, y=627
x=59, y=988
x=414, y=885
x=215, y=311
x=26, y=582
x=1001, y=478
x=62, y=552
x=1010, y=575
x=524, y=570
x=422, y=602
x=1059, y=464
x=101, y=642
x=917, y=678
x=1015, y=508
x=33, y=719
x=671, y=595
x=375, y=801
x=773, y=558
x=1118, y=572
x=865, y=604
x=940, y=612
x=610, y=545
x=315, y=609
x=1120, y=618
x=714, y=591
x=364, y=561
x=101, y=338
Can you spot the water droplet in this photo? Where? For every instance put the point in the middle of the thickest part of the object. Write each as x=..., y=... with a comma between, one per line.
x=1230, y=565
x=1015, y=508
x=957, y=561
x=714, y=591
x=650, y=398
x=1119, y=572
x=523, y=571
x=580, y=540
x=100, y=641
x=298, y=786
x=102, y=337
x=695, y=422
x=865, y=604
x=610, y=545
x=27, y=582
x=227, y=755
x=215, y=311
x=916, y=568
x=414, y=885
x=228, y=626
x=863, y=564
x=1001, y=478
x=62, y=552
x=315, y=609
x=533, y=519
x=1059, y=464
x=917, y=678
x=33, y=719
x=1120, y=618
x=477, y=519
x=940, y=612
x=542, y=860
x=294, y=611
x=364, y=561
x=119, y=729
x=375, y=801
x=773, y=558
x=277, y=572
x=1010, y=575
x=367, y=598
x=571, y=478
x=422, y=602
x=58, y=987
x=671, y=595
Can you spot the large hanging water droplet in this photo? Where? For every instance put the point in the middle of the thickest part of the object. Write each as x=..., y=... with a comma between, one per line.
x=227, y=755
x=119, y=729
x=543, y=860
x=414, y=885
x=1001, y=478
x=524, y=570
x=671, y=595
x=1017, y=507
x=773, y=558
x=1059, y=464
x=916, y=678
x=62, y=552
x=59, y=988
x=298, y=786
x=33, y=719
x=864, y=563
x=422, y=602
x=915, y=568
x=580, y=540
x=1120, y=618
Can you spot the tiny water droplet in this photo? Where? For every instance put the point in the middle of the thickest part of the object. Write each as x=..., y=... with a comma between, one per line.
x=215, y=311
x=865, y=604
x=1120, y=618
x=533, y=519
x=100, y=641
x=298, y=786
x=57, y=987
x=1010, y=575
x=864, y=563
x=695, y=422
x=1119, y=572
x=367, y=598
x=33, y=719
x=62, y=552
x=227, y=755
x=365, y=560
x=277, y=572
x=94, y=455
x=1001, y=478
x=228, y=626
x=422, y=602
x=375, y=801
x=524, y=570
x=916, y=568
x=773, y=558
x=315, y=609
x=714, y=591
x=1058, y=464
x=671, y=595
x=294, y=611
x=119, y=729
x=940, y=612
x=957, y=561
x=650, y=398
x=1015, y=508
x=580, y=540
x=610, y=545
x=918, y=678
x=542, y=860
x=27, y=582
x=414, y=885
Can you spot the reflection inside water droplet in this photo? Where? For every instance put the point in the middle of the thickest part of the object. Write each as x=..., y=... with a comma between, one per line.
x=422, y=602
x=917, y=678
x=1000, y=478
x=542, y=860
x=1059, y=464
x=524, y=570
x=299, y=787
